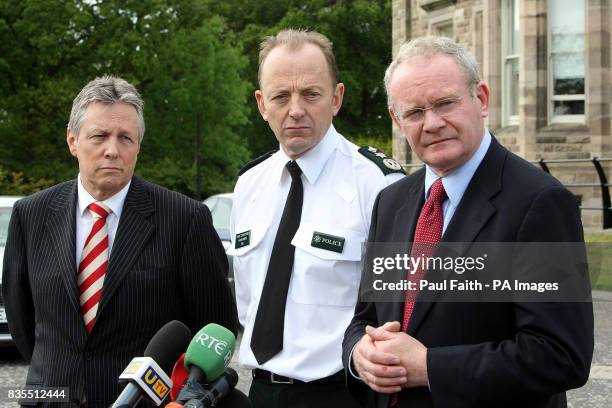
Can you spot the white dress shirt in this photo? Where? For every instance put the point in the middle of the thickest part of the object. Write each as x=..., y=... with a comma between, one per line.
x=340, y=186
x=84, y=220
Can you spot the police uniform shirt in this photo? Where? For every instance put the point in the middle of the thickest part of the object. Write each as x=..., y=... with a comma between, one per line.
x=340, y=187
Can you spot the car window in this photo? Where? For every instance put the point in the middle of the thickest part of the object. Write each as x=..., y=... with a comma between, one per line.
x=210, y=202
x=221, y=214
x=5, y=216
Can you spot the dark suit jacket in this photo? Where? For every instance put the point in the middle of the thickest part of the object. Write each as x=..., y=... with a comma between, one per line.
x=487, y=354
x=166, y=263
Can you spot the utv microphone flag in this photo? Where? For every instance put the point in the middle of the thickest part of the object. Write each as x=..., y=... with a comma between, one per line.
x=149, y=377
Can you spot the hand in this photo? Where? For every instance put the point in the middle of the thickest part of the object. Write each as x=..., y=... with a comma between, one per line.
x=378, y=369
x=411, y=352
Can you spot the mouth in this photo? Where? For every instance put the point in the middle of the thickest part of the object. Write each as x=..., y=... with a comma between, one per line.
x=109, y=168
x=438, y=141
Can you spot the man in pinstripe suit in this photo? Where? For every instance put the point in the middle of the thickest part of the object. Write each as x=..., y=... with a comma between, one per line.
x=93, y=267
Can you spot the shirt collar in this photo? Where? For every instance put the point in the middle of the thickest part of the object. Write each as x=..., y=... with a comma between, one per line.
x=115, y=203
x=313, y=161
x=457, y=181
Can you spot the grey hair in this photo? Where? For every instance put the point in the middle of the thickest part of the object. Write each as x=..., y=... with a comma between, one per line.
x=428, y=47
x=294, y=39
x=108, y=90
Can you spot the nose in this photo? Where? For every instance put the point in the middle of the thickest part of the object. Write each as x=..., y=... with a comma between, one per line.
x=111, y=148
x=432, y=122
x=296, y=111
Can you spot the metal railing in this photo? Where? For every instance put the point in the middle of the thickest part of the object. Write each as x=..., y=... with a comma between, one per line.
x=606, y=203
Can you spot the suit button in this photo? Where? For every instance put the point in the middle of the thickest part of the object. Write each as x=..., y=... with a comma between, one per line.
x=87, y=356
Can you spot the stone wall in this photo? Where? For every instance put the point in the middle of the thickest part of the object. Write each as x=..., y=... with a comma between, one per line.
x=477, y=25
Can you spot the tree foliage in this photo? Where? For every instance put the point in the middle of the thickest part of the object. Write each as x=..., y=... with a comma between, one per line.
x=189, y=59
x=180, y=57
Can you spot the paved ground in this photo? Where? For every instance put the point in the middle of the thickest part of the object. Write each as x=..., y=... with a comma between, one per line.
x=597, y=393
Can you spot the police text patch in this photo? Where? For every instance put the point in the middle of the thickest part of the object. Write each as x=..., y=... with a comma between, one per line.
x=327, y=242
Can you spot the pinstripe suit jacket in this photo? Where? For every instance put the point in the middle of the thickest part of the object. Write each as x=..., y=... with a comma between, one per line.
x=167, y=263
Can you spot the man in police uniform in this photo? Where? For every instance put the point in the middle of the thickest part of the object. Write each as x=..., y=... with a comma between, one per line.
x=299, y=219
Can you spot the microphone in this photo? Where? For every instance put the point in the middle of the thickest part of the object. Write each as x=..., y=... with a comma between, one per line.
x=178, y=377
x=236, y=399
x=147, y=375
x=208, y=354
x=222, y=387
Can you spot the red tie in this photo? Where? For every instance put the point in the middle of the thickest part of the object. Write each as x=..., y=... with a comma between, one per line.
x=428, y=232
x=94, y=262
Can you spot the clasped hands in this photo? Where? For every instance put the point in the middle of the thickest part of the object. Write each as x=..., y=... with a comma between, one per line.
x=388, y=360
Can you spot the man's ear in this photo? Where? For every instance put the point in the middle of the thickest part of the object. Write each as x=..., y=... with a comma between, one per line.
x=259, y=97
x=72, y=142
x=482, y=94
x=393, y=117
x=338, y=97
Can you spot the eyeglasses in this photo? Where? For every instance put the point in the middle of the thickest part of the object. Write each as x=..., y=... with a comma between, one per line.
x=415, y=116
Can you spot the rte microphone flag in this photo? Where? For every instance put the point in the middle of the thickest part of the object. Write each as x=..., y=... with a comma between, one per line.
x=207, y=356
x=210, y=351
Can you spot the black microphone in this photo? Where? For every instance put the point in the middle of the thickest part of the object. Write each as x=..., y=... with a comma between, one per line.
x=147, y=375
x=236, y=399
x=218, y=389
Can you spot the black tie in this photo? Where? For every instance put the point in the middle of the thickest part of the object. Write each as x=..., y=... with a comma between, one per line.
x=267, y=339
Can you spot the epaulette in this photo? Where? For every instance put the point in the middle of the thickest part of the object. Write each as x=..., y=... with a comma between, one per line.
x=386, y=164
x=255, y=162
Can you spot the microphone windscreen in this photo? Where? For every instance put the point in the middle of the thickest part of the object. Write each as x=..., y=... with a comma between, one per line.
x=211, y=350
x=236, y=399
x=179, y=375
x=167, y=345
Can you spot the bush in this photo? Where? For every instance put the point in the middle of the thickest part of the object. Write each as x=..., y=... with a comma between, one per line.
x=12, y=183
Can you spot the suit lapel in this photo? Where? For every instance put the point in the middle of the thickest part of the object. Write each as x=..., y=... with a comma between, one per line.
x=133, y=232
x=61, y=225
x=472, y=214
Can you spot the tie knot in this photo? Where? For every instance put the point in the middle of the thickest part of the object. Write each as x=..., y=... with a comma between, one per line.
x=437, y=192
x=294, y=170
x=99, y=210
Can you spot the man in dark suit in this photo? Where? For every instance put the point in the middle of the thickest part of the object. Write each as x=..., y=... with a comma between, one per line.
x=462, y=354
x=95, y=266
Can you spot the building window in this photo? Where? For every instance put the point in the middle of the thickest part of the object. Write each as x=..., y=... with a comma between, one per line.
x=442, y=26
x=510, y=55
x=566, y=21
x=478, y=41
x=445, y=29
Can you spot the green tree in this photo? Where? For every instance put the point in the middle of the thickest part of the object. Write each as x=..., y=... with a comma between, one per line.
x=180, y=56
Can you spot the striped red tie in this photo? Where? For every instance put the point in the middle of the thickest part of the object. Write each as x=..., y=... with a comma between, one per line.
x=94, y=262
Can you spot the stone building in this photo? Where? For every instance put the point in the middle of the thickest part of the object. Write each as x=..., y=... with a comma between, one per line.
x=547, y=63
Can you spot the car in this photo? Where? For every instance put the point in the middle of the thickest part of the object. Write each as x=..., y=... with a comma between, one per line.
x=6, y=207
x=220, y=206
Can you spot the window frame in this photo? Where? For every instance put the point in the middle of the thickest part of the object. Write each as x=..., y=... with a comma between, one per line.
x=551, y=97
x=435, y=23
x=507, y=12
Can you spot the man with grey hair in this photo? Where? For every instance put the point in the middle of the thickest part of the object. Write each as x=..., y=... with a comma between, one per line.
x=298, y=220
x=93, y=267
x=471, y=190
